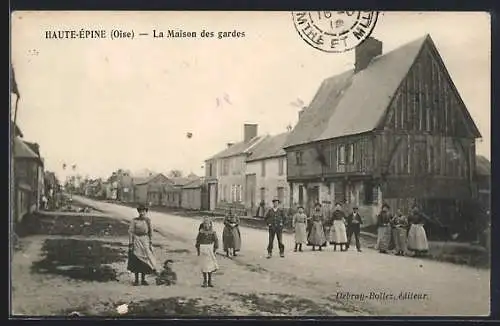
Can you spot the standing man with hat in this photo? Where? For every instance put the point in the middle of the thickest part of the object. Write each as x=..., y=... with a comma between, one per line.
x=275, y=220
x=354, y=222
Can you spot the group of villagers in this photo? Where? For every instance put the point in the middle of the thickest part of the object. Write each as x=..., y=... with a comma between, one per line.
x=405, y=233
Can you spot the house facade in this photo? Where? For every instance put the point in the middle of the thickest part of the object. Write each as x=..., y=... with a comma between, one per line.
x=266, y=174
x=28, y=179
x=195, y=195
x=225, y=172
x=151, y=190
x=406, y=138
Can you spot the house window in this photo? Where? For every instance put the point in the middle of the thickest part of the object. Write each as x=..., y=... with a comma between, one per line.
x=350, y=154
x=263, y=168
x=281, y=194
x=281, y=166
x=210, y=170
x=239, y=193
x=226, y=193
x=298, y=158
x=341, y=154
x=225, y=167
x=263, y=194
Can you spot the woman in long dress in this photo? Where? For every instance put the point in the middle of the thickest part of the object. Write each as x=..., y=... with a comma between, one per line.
x=316, y=237
x=384, y=229
x=231, y=236
x=399, y=232
x=338, y=230
x=417, y=238
x=141, y=260
x=206, y=245
x=299, y=224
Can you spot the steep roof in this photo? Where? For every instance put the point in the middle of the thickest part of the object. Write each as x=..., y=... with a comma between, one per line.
x=483, y=165
x=237, y=149
x=145, y=180
x=269, y=147
x=22, y=150
x=351, y=103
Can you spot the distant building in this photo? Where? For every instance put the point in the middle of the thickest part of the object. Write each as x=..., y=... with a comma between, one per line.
x=195, y=195
x=150, y=190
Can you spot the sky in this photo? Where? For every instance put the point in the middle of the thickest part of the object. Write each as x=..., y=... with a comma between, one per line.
x=106, y=104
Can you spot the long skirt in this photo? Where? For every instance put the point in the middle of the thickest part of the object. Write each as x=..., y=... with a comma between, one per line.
x=231, y=238
x=400, y=238
x=141, y=258
x=316, y=235
x=383, y=238
x=417, y=238
x=300, y=233
x=208, y=262
x=338, y=233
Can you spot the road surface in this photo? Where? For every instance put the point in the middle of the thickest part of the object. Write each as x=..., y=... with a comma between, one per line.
x=376, y=283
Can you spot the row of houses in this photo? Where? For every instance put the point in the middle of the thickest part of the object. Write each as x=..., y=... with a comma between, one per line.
x=392, y=129
x=155, y=189
x=29, y=184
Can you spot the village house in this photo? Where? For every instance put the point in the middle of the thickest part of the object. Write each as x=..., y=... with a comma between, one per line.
x=28, y=177
x=225, y=172
x=392, y=129
x=266, y=173
x=124, y=186
x=195, y=195
x=151, y=190
x=174, y=196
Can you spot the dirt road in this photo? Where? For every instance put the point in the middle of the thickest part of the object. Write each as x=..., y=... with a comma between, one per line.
x=369, y=282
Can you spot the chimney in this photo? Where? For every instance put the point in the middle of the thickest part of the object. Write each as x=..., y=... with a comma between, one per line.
x=249, y=131
x=229, y=144
x=365, y=52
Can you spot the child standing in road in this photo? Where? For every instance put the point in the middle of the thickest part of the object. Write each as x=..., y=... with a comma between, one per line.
x=207, y=244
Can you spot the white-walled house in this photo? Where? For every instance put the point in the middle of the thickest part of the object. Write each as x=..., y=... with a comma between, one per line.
x=225, y=173
x=266, y=173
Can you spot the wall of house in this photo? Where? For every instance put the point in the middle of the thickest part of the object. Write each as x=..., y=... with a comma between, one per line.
x=141, y=193
x=231, y=180
x=173, y=198
x=351, y=155
x=266, y=186
x=349, y=194
x=191, y=198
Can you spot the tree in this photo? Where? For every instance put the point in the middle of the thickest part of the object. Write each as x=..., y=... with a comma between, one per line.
x=175, y=174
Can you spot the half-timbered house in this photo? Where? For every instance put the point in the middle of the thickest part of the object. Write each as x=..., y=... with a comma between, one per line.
x=392, y=129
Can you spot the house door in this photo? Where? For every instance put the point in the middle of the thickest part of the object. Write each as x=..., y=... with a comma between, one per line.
x=212, y=194
x=312, y=197
x=251, y=182
x=301, y=195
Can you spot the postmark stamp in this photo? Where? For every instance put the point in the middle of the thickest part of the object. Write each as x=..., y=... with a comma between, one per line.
x=334, y=31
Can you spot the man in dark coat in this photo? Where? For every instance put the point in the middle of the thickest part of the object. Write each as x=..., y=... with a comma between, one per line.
x=275, y=220
x=354, y=222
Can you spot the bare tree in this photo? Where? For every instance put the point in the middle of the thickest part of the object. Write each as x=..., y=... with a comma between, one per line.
x=175, y=173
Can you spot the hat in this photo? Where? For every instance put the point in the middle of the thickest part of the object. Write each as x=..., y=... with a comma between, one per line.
x=300, y=206
x=386, y=205
x=276, y=199
x=317, y=204
x=355, y=207
x=142, y=208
